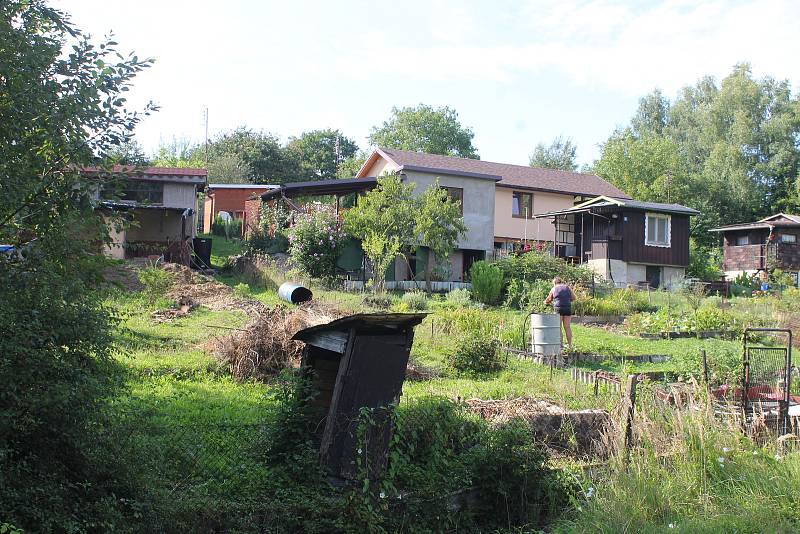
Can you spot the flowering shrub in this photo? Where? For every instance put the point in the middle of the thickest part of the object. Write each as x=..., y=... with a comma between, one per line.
x=315, y=242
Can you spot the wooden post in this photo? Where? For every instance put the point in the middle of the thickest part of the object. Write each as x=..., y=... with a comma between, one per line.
x=596, y=383
x=705, y=367
x=630, y=406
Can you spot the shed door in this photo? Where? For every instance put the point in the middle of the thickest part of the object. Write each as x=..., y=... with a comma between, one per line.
x=374, y=378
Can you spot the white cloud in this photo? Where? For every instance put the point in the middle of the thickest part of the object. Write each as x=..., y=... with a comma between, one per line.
x=606, y=44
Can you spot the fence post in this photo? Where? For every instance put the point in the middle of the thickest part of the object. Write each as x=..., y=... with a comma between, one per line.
x=705, y=367
x=596, y=383
x=630, y=406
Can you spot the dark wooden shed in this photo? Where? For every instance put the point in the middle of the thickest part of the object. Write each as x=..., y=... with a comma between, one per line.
x=357, y=362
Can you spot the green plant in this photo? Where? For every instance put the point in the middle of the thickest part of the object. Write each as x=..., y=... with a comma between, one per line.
x=315, y=243
x=415, y=300
x=479, y=354
x=459, y=298
x=241, y=290
x=226, y=228
x=156, y=282
x=530, y=296
x=487, y=282
x=261, y=241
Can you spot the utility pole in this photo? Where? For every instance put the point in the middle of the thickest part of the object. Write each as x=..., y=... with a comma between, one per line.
x=206, y=139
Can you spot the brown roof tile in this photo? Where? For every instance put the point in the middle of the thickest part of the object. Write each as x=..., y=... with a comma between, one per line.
x=518, y=176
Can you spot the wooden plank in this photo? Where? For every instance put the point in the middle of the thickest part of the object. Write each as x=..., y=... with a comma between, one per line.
x=329, y=340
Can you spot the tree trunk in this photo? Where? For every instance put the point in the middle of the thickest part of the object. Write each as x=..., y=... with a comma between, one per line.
x=428, y=263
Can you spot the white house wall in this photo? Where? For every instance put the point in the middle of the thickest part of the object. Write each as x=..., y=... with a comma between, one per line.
x=506, y=226
x=179, y=195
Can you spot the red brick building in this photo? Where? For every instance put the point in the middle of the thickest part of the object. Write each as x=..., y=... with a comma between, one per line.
x=230, y=198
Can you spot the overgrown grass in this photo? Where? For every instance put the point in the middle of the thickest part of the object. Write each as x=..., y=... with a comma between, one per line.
x=690, y=473
x=221, y=248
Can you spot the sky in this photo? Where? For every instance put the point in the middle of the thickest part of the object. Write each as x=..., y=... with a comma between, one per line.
x=518, y=73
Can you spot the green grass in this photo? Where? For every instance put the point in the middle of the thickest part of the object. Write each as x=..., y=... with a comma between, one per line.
x=171, y=376
x=221, y=248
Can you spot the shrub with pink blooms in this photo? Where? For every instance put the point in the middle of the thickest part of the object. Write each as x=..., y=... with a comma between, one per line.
x=315, y=242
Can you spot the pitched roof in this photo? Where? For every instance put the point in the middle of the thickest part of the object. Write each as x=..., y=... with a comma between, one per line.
x=242, y=186
x=781, y=220
x=160, y=174
x=506, y=175
x=605, y=202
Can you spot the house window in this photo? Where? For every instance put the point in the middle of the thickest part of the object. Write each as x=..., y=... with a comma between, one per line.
x=138, y=191
x=742, y=240
x=522, y=205
x=657, y=230
x=457, y=194
x=788, y=238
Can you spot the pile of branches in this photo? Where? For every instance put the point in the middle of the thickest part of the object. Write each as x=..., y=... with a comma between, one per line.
x=264, y=347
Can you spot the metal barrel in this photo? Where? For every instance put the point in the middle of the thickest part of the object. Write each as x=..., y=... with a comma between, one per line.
x=294, y=293
x=545, y=334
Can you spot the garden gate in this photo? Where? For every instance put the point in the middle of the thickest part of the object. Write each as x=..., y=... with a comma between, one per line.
x=767, y=376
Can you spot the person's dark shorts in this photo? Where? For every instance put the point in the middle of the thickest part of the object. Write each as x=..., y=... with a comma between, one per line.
x=564, y=310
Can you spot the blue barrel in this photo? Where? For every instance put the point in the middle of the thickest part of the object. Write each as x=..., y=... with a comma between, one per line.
x=294, y=293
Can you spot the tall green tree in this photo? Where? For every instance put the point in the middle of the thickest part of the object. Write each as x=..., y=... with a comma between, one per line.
x=438, y=223
x=425, y=129
x=560, y=154
x=62, y=107
x=129, y=153
x=350, y=166
x=229, y=169
x=729, y=149
x=179, y=153
x=263, y=153
x=319, y=153
x=383, y=219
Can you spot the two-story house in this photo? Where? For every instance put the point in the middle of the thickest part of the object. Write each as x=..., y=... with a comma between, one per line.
x=757, y=247
x=510, y=206
x=157, y=206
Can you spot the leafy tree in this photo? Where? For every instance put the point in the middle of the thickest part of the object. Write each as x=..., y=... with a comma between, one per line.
x=730, y=150
x=179, y=153
x=425, y=129
x=559, y=155
x=438, y=224
x=349, y=167
x=62, y=107
x=229, y=169
x=383, y=219
x=129, y=153
x=320, y=152
x=263, y=152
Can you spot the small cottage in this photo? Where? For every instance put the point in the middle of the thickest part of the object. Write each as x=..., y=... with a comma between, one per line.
x=755, y=248
x=625, y=241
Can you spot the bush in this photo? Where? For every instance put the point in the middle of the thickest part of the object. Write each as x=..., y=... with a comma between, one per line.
x=315, y=242
x=382, y=302
x=477, y=355
x=156, y=282
x=528, y=296
x=261, y=241
x=487, y=282
x=534, y=265
x=459, y=298
x=241, y=290
x=227, y=229
x=415, y=300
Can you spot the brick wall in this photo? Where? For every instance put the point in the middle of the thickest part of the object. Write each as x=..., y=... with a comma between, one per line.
x=252, y=215
x=743, y=258
x=232, y=201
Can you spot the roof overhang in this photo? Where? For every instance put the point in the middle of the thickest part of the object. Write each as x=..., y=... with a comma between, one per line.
x=545, y=190
x=128, y=206
x=604, y=203
x=321, y=188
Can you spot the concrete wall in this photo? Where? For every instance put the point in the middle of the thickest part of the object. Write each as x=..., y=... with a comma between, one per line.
x=478, y=206
x=510, y=227
x=624, y=273
x=157, y=225
x=179, y=195
x=114, y=249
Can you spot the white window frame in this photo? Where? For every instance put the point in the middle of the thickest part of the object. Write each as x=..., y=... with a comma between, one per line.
x=790, y=241
x=736, y=239
x=665, y=216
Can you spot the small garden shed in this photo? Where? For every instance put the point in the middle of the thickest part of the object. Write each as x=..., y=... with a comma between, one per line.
x=357, y=362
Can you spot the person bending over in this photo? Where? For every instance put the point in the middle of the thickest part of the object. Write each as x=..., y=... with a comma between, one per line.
x=562, y=296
